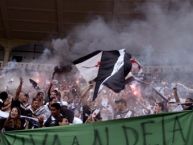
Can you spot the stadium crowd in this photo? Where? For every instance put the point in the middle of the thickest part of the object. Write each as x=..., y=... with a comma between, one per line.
x=69, y=102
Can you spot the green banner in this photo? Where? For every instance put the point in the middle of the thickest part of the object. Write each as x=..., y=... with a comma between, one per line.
x=162, y=129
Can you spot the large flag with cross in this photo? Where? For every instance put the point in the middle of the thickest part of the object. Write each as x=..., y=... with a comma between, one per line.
x=106, y=68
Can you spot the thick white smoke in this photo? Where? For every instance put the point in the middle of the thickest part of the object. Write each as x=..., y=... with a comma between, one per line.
x=163, y=37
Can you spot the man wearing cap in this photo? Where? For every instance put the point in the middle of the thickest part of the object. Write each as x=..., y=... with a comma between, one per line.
x=188, y=105
x=121, y=110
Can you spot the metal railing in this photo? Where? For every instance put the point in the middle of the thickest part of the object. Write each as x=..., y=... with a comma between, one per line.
x=147, y=69
x=35, y=66
x=27, y=66
x=168, y=69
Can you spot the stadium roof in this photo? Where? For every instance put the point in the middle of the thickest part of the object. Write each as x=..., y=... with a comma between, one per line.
x=44, y=19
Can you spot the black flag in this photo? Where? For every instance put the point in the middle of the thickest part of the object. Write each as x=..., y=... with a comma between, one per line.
x=108, y=68
x=34, y=84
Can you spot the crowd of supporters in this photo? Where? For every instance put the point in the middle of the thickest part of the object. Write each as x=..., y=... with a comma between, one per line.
x=70, y=102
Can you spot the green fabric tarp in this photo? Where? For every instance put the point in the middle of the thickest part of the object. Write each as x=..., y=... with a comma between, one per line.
x=162, y=129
